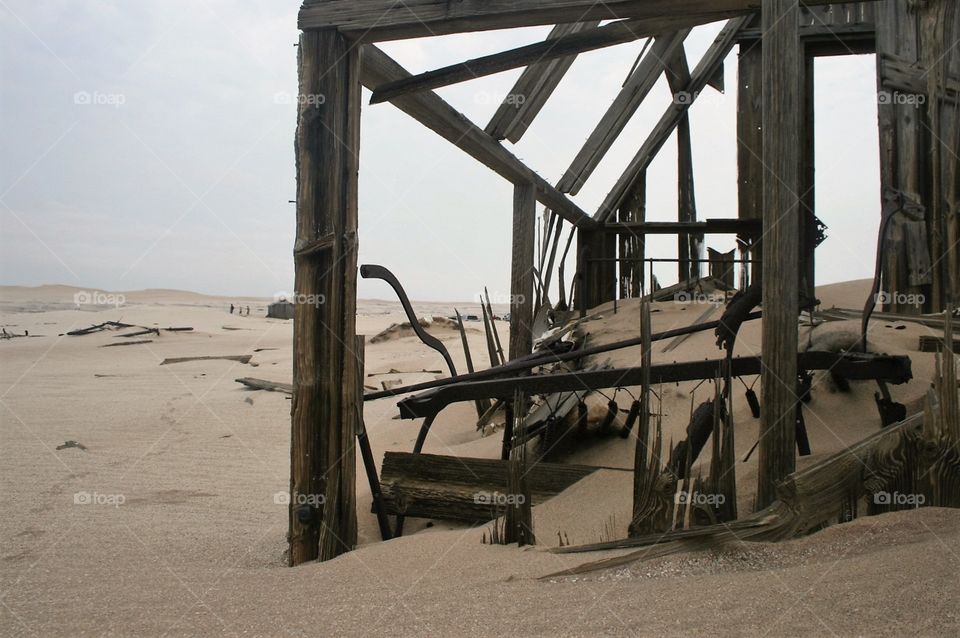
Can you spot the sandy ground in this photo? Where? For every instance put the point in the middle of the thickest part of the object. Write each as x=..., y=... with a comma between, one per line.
x=184, y=536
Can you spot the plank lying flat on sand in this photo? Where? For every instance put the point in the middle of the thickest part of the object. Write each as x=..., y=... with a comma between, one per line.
x=127, y=343
x=242, y=358
x=269, y=386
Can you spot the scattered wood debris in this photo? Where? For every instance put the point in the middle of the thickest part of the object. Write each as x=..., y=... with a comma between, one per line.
x=106, y=325
x=395, y=371
x=127, y=343
x=269, y=386
x=241, y=358
x=69, y=444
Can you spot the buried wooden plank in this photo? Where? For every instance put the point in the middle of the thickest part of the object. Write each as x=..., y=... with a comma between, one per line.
x=463, y=489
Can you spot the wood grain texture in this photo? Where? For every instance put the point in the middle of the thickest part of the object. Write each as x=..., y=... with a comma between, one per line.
x=380, y=20
x=521, y=272
x=782, y=156
x=322, y=463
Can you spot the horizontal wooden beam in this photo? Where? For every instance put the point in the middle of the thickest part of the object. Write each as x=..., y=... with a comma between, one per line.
x=636, y=89
x=381, y=20
x=899, y=75
x=532, y=90
x=552, y=48
x=705, y=70
x=432, y=111
x=706, y=227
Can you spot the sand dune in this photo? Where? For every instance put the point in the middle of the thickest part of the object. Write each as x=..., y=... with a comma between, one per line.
x=167, y=522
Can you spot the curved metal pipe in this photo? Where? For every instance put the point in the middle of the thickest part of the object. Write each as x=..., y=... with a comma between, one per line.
x=372, y=271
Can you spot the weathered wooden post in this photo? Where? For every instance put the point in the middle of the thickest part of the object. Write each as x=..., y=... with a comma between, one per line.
x=521, y=276
x=324, y=414
x=781, y=224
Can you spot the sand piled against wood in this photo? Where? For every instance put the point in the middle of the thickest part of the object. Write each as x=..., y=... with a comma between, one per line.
x=433, y=325
x=196, y=545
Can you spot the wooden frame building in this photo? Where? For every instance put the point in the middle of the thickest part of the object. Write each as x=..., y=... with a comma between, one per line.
x=777, y=41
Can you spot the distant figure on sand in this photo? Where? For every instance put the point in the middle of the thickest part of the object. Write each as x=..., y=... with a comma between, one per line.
x=248, y=311
x=231, y=309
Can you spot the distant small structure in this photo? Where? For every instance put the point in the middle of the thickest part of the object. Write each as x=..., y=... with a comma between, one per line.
x=281, y=309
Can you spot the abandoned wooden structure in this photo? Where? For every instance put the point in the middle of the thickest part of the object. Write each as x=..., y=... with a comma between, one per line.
x=918, y=83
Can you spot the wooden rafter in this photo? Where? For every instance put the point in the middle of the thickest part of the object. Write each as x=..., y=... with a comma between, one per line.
x=705, y=70
x=533, y=88
x=552, y=48
x=432, y=111
x=624, y=106
x=381, y=20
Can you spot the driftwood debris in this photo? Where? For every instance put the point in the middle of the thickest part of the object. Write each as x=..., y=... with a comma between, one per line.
x=240, y=358
x=127, y=343
x=269, y=386
x=106, y=325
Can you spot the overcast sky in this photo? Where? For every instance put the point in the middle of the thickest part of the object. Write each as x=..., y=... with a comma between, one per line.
x=149, y=144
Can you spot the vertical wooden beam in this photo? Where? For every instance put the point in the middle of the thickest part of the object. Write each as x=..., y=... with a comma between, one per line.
x=750, y=141
x=596, y=268
x=903, y=147
x=808, y=182
x=324, y=417
x=521, y=276
x=781, y=223
x=690, y=246
x=633, y=246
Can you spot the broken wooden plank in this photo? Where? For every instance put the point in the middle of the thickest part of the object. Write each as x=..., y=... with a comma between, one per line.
x=532, y=90
x=140, y=333
x=127, y=343
x=463, y=489
x=99, y=327
x=263, y=384
x=241, y=358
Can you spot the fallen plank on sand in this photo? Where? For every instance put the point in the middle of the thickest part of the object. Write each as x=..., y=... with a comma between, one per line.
x=242, y=358
x=269, y=386
x=127, y=343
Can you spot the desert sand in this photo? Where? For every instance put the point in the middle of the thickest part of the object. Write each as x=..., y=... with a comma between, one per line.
x=165, y=521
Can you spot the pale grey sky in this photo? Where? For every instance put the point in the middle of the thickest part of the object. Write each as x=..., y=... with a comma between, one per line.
x=149, y=144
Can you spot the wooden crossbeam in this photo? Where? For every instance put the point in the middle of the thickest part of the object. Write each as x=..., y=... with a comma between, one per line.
x=899, y=75
x=432, y=111
x=564, y=45
x=533, y=88
x=624, y=106
x=705, y=70
x=381, y=20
